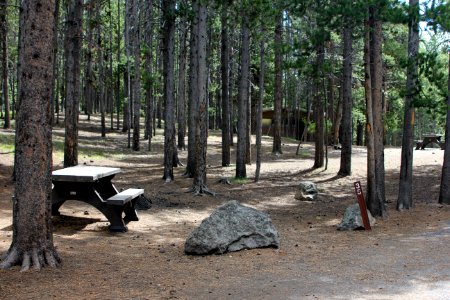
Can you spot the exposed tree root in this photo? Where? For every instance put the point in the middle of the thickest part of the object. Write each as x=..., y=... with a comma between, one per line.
x=201, y=191
x=224, y=181
x=35, y=258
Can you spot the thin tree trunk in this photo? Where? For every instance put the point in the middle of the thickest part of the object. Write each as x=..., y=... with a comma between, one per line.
x=118, y=59
x=4, y=50
x=193, y=100
x=225, y=84
x=319, y=111
x=89, y=77
x=404, y=200
x=55, y=62
x=276, y=148
x=135, y=42
x=128, y=50
x=182, y=86
x=243, y=99
x=149, y=97
x=262, y=66
x=168, y=8
x=347, y=131
x=72, y=54
x=371, y=182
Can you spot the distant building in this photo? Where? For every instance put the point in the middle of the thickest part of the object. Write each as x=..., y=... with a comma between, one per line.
x=292, y=122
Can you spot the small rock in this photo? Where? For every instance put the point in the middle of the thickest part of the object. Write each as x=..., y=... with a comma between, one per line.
x=307, y=191
x=352, y=219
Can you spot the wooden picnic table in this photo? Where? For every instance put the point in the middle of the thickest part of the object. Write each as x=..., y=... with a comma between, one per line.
x=93, y=185
x=429, y=139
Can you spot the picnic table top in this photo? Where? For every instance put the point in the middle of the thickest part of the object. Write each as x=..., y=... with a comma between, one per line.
x=431, y=135
x=83, y=173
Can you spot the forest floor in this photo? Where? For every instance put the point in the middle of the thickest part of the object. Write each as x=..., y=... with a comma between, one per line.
x=405, y=256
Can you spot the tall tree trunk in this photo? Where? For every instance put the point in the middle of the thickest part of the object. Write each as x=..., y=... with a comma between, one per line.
x=55, y=62
x=248, y=127
x=370, y=196
x=4, y=50
x=89, y=77
x=276, y=148
x=72, y=56
x=201, y=128
x=101, y=86
x=193, y=99
x=168, y=10
x=404, y=200
x=225, y=84
x=377, y=206
x=136, y=52
x=127, y=115
x=262, y=67
x=32, y=242
x=319, y=110
x=444, y=193
x=149, y=97
x=241, y=171
x=119, y=11
x=182, y=85
x=110, y=89
x=347, y=131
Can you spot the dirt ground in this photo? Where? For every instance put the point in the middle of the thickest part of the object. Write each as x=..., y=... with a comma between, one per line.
x=405, y=256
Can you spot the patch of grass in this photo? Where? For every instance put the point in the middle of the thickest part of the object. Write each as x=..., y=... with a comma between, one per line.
x=238, y=180
x=304, y=154
x=6, y=142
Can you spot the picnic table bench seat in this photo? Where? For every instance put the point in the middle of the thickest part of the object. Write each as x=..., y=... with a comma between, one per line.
x=124, y=196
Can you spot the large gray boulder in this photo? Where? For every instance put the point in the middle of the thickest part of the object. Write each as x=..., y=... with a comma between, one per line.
x=232, y=227
x=306, y=191
x=352, y=219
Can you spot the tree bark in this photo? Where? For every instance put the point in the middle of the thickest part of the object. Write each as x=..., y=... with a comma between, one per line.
x=89, y=77
x=225, y=74
x=262, y=67
x=319, y=157
x=4, y=50
x=276, y=148
x=32, y=242
x=136, y=79
x=347, y=131
x=149, y=95
x=404, y=200
x=118, y=59
x=72, y=55
x=241, y=171
x=55, y=62
x=201, y=126
x=370, y=196
x=377, y=205
x=168, y=10
x=181, y=96
x=444, y=193
x=193, y=99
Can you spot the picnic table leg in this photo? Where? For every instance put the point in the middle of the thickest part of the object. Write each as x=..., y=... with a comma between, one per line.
x=130, y=211
x=112, y=212
x=57, y=202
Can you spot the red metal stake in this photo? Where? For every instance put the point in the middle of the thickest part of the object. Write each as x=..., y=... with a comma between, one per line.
x=362, y=205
